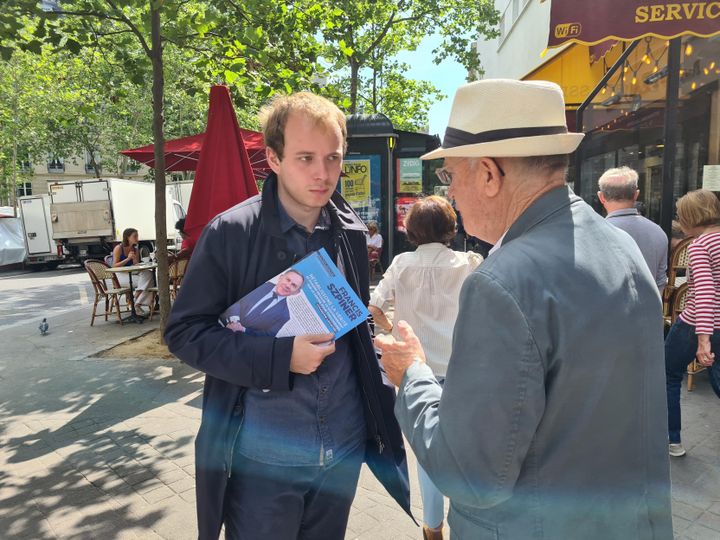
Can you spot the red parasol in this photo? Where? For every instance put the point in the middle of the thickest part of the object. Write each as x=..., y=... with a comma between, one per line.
x=183, y=154
x=223, y=176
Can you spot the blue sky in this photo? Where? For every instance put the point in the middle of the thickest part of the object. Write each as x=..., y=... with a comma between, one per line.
x=447, y=77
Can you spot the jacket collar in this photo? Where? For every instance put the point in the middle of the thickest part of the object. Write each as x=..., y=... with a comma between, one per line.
x=341, y=213
x=540, y=210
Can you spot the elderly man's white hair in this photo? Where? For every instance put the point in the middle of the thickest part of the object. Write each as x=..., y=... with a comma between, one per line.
x=619, y=184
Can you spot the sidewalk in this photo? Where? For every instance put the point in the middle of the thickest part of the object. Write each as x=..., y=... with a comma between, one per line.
x=103, y=448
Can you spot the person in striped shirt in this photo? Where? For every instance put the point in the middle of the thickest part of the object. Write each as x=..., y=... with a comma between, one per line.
x=696, y=332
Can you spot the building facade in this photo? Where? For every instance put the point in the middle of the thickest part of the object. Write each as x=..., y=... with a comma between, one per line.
x=625, y=122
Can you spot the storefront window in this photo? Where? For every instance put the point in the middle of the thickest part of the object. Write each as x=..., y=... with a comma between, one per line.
x=625, y=123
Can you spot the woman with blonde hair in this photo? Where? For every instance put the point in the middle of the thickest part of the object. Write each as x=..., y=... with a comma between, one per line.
x=424, y=286
x=696, y=332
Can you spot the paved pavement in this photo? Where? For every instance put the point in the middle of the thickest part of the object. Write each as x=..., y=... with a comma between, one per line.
x=103, y=448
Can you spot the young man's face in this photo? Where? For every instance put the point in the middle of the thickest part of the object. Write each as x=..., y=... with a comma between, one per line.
x=289, y=284
x=310, y=167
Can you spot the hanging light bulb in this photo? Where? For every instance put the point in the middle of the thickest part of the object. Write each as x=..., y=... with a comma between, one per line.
x=647, y=60
x=693, y=85
x=689, y=49
x=645, y=57
x=712, y=65
x=655, y=69
x=603, y=90
x=628, y=67
x=682, y=72
x=634, y=80
x=706, y=71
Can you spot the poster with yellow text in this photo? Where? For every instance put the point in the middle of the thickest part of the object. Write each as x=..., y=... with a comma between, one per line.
x=355, y=182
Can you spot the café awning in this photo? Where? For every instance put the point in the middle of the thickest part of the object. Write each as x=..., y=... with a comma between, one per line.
x=183, y=154
x=593, y=21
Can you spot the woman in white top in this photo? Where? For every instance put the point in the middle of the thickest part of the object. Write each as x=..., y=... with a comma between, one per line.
x=375, y=239
x=424, y=286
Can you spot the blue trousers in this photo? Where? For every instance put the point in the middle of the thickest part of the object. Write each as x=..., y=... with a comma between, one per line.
x=680, y=348
x=268, y=502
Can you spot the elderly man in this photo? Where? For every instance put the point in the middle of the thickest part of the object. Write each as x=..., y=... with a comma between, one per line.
x=551, y=421
x=618, y=193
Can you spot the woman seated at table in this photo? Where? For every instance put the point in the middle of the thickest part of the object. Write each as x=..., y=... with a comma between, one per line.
x=127, y=254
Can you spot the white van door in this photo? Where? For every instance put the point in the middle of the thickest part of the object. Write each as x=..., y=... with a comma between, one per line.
x=35, y=222
x=95, y=190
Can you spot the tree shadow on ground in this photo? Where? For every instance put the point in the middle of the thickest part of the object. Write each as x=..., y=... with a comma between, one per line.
x=91, y=461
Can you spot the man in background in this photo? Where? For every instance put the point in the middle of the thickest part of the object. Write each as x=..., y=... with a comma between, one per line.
x=618, y=194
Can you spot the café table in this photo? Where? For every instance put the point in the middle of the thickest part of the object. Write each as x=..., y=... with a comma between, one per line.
x=130, y=270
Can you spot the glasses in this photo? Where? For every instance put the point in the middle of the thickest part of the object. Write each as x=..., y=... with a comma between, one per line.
x=446, y=177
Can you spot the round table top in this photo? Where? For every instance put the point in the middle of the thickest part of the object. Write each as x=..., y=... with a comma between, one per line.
x=133, y=268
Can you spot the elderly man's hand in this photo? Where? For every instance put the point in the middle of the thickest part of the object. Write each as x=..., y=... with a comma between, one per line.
x=399, y=355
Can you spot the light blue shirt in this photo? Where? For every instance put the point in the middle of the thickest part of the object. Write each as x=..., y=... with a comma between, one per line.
x=649, y=237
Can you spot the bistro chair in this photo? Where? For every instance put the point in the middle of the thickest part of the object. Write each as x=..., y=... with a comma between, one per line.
x=107, y=287
x=678, y=265
x=176, y=272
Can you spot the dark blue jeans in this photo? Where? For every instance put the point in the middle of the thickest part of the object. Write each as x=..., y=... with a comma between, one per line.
x=680, y=348
x=269, y=502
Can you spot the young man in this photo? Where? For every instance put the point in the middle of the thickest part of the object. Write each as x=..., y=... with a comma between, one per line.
x=286, y=422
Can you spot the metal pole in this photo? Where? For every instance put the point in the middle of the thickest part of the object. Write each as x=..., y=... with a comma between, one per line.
x=391, y=201
x=588, y=100
x=670, y=135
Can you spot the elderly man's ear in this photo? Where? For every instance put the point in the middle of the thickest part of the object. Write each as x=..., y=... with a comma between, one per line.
x=490, y=176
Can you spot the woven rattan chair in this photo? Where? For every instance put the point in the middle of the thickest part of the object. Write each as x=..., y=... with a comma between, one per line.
x=106, y=288
x=678, y=264
x=176, y=272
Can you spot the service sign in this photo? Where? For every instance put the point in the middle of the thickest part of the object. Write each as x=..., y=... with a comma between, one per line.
x=594, y=21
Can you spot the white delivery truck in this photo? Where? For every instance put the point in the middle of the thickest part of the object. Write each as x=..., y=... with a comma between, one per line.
x=181, y=191
x=42, y=250
x=89, y=216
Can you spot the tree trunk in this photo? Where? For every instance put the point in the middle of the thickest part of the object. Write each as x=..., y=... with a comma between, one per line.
x=13, y=191
x=354, y=74
x=158, y=90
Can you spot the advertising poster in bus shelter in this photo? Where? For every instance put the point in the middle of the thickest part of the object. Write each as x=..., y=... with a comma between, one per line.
x=402, y=207
x=409, y=175
x=360, y=186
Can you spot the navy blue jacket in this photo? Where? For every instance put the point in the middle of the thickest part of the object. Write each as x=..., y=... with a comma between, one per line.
x=238, y=251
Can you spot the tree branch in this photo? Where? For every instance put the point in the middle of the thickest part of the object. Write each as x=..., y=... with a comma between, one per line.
x=132, y=27
x=381, y=35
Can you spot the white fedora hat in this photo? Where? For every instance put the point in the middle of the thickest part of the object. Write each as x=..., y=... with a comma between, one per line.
x=507, y=118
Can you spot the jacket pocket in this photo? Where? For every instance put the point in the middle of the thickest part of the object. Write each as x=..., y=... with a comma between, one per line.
x=465, y=526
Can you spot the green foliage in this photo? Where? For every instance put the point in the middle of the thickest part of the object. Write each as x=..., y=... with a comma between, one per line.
x=365, y=35
x=257, y=47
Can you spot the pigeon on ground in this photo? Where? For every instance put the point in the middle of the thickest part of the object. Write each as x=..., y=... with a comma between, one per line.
x=44, y=327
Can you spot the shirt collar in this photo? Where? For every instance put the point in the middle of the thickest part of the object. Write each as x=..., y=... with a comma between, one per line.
x=287, y=223
x=431, y=246
x=497, y=245
x=623, y=212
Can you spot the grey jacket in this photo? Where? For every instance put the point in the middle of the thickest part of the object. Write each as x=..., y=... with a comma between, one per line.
x=552, y=423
